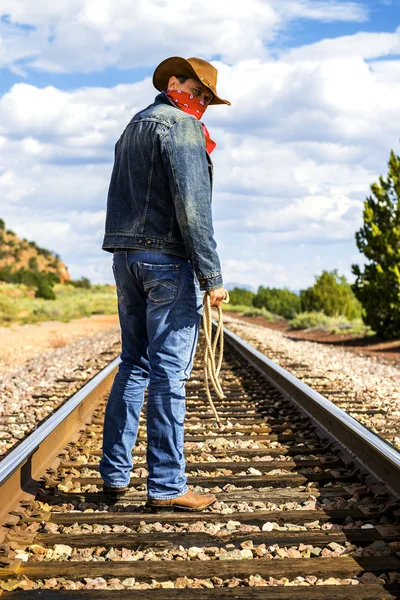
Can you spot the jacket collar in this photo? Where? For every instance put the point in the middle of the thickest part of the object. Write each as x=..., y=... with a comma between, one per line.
x=162, y=98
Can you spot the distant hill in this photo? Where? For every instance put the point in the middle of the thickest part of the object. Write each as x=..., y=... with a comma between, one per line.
x=17, y=254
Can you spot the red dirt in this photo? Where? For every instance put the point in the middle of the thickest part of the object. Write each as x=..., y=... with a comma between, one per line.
x=370, y=345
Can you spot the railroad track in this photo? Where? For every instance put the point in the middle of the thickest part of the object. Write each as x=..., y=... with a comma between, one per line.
x=295, y=507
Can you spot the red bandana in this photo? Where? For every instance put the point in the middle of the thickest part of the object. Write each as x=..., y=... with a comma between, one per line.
x=192, y=106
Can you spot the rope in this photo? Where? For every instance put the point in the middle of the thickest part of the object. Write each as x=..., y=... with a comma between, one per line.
x=212, y=364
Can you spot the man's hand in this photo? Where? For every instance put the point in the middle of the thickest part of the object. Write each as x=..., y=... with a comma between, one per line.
x=217, y=296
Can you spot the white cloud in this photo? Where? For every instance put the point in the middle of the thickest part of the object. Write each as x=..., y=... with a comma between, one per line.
x=363, y=45
x=296, y=153
x=85, y=35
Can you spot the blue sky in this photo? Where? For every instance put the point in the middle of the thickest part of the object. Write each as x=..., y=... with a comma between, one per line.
x=315, y=96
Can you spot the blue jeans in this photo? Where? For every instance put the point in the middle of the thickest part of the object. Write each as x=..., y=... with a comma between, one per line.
x=159, y=305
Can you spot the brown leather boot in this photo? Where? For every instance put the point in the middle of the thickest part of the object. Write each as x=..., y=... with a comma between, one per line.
x=114, y=493
x=189, y=501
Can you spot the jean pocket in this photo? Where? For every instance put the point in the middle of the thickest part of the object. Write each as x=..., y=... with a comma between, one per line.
x=160, y=282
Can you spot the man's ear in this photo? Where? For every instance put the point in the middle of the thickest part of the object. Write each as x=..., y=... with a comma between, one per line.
x=172, y=83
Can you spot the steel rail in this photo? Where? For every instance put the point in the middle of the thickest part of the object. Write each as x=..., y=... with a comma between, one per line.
x=20, y=469
x=378, y=456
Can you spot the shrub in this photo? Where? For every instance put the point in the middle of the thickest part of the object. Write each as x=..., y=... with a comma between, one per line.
x=281, y=302
x=241, y=296
x=2, y=225
x=45, y=291
x=83, y=283
x=307, y=320
x=249, y=311
x=8, y=308
x=33, y=264
x=332, y=295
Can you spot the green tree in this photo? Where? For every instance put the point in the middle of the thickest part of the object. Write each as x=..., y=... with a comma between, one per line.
x=332, y=295
x=33, y=263
x=44, y=290
x=83, y=283
x=241, y=296
x=281, y=302
x=2, y=225
x=377, y=284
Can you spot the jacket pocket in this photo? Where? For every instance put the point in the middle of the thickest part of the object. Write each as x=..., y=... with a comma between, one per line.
x=160, y=282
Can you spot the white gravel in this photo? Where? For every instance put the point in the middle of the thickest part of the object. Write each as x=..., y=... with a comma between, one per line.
x=31, y=392
x=352, y=381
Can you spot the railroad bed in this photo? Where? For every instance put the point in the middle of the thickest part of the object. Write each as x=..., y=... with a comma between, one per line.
x=291, y=511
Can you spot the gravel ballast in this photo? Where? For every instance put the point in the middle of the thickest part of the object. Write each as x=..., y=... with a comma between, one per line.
x=368, y=388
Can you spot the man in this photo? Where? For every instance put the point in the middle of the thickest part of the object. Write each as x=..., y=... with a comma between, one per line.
x=159, y=228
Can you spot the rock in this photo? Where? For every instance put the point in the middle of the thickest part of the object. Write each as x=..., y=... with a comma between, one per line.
x=98, y=583
x=336, y=547
x=232, y=555
x=129, y=582
x=246, y=553
x=113, y=555
x=24, y=556
x=194, y=551
x=331, y=581
x=316, y=551
x=232, y=525
x=267, y=526
x=293, y=553
x=50, y=528
x=60, y=549
x=183, y=582
x=36, y=549
x=379, y=545
x=253, y=471
x=369, y=578
x=367, y=526
x=256, y=581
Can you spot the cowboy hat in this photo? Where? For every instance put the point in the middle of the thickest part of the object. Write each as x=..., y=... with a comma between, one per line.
x=192, y=67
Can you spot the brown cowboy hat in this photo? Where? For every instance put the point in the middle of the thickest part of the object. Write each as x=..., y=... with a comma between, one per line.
x=192, y=67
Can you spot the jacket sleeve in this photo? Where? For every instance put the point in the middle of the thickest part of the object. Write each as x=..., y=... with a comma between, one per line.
x=184, y=156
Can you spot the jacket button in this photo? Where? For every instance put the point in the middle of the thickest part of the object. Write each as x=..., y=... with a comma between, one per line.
x=140, y=241
x=148, y=241
x=204, y=281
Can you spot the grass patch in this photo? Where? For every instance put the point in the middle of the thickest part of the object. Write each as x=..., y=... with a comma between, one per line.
x=18, y=304
x=250, y=311
x=319, y=321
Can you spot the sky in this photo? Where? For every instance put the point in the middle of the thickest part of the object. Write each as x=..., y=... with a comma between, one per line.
x=315, y=92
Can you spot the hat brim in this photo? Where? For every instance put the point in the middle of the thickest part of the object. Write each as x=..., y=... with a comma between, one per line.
x=176, y=65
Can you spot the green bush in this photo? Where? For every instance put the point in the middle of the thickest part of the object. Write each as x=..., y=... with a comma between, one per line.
x=33, y=264
x=308, y=320
x=45, y=290
x=331, y=324
x=249, y=311
x=8, y=308
x=83, y=283
x=241, y=296
x=332, y=295
x=281, y=302
x=2, y=225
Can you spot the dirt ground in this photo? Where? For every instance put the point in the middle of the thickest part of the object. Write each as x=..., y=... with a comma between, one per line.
x=22, y=342
x=370, y=345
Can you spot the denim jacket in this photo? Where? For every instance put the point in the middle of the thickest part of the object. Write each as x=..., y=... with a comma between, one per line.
x=160, y=191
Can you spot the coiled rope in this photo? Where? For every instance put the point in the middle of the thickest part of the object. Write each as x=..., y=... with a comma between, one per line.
x=212, y=347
